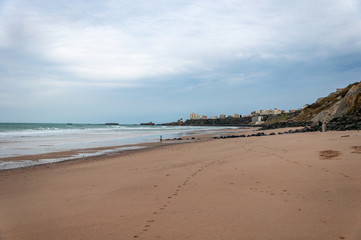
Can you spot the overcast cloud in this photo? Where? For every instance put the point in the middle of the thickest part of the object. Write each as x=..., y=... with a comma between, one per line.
x=132, y=61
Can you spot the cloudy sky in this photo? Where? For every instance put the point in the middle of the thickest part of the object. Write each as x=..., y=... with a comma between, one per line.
x=132, y=61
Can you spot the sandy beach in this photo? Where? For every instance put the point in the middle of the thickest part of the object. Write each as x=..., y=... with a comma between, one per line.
x=294, y=186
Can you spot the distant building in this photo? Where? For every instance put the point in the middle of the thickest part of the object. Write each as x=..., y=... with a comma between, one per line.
x=266, y=112
x=214, y=117
x=222, y=116
x=194, y=116
x=236, y=115
x=257, y=119
x=255, y=113
x=276, y=111
x=204, y=117
x=180, y=121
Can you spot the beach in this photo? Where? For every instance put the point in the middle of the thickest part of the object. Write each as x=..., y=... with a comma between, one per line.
x=290, y=186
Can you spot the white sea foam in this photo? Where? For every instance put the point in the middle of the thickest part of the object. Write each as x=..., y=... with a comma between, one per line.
x=27, y=163
x=31, y=139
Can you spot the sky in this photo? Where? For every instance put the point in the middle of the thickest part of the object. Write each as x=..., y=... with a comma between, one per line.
x=133, y=61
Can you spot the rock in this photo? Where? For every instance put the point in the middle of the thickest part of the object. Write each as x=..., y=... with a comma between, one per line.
x=148, y=123
x=349, y=100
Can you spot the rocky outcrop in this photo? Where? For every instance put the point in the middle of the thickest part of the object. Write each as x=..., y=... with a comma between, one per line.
x=148, y=124
x=285, y=125
x=336, y=105
x=341, y=110
x=112, y=124
x=350, y=102
x=229, y=121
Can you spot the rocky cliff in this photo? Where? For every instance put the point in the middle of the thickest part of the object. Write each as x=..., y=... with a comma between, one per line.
x=341, y=110
x=343, y=103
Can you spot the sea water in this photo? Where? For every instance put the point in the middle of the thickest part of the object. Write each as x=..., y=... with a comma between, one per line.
x=22, y=139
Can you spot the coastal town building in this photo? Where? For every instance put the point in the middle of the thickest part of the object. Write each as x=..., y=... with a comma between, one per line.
x=266, y=112
x=262, y=112
x=194, y=116
x=180, y=121
x=276, y=111
x=257, y=119
x=293, y=110
x=254, y=113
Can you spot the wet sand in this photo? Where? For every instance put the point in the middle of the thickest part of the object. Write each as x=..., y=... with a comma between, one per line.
x=296, y=186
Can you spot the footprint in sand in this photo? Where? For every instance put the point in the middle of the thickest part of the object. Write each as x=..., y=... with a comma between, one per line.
x=357, y=149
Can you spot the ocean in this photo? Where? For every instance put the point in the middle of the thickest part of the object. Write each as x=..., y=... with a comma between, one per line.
x=23, y=139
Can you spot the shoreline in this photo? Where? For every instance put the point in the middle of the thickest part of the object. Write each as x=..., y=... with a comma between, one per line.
x=28, y=161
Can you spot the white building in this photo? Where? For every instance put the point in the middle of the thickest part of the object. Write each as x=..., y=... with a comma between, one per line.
x=277, y=111
x=194, y=116
x=266, y=112
x=257, y=119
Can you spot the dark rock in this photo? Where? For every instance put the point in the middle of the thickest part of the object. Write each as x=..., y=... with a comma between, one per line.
x=148, y=123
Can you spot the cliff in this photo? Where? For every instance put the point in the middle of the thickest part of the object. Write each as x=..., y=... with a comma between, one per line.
x=341, y=110
x=346, y=102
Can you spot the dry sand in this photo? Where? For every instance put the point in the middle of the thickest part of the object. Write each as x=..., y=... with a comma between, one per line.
x=298, y=186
